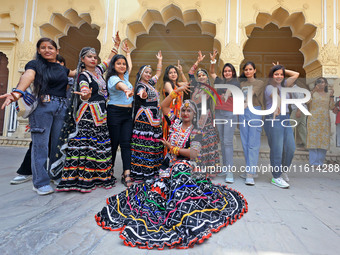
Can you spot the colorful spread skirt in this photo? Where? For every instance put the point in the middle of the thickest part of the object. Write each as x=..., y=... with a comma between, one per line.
x=88, y=158
x=179, y=211
x=146, y=148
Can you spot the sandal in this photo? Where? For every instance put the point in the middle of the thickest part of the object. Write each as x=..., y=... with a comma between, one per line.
x=127, y=183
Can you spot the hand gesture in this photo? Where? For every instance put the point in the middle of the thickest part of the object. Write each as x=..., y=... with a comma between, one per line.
x=165, y=143
x=142, y=94
x=185, y=88
x=277, y=63
x=179, y=67
x=84, y=93
x=159, y=55
x=9, y=98
x=213, y=56
x=116, y=40
x=331, y=91
x=200, y=57
x=125, y=47
x=128, y=93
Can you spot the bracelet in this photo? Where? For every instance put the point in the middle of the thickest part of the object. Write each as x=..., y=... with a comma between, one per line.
x=213, y=61
x=13, y=95
x=174, y=150
x=173, y=94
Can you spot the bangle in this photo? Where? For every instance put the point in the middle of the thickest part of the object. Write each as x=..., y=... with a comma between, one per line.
x=174, y=150
x=173, y=94
x=213, y=61
x=15, y=93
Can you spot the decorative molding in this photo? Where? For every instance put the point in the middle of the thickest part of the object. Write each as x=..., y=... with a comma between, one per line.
x=16, y=142
x=329, y=54
x=232, y=53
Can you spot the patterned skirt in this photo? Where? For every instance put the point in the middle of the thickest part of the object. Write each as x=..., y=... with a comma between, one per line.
x=88, y=158
x=209, y=153
x=146, y=149
x=177, y=212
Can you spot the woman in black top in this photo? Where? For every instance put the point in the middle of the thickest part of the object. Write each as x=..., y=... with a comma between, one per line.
x=50, y=82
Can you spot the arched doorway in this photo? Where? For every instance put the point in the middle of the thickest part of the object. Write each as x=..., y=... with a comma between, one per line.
x=274, y=44
x=177, y=42
x=3, y=85
x=72, y=31
x=75, y=40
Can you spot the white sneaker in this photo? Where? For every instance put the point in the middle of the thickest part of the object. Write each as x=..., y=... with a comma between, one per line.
x=284, y=176
x=229, y=178
x=244, y=175
x=44, y=190
x=249, y=179
x=280, y=182
x=21, y=179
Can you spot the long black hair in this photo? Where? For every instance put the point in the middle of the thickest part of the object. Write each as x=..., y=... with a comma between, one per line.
x=111, y=71
x=166, y=75
x=43, y=73
x=273, y=70
x=243, y=76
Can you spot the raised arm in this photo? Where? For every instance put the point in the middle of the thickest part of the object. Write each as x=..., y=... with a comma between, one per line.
x=159, y=64
x=180, y=69
x=126, y=49
x=115, y=48
x=292, y=77
x=212, y=64
x=200, y=58
x=25, y=81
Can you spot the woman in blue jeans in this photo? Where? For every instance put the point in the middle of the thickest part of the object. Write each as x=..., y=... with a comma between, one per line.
x=224, y=112
x=279, y=133
x=119, y=110
x=250, y=123
x=49, y=84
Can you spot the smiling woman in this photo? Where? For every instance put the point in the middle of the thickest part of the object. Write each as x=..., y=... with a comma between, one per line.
x=49, y=84
x=87, y=159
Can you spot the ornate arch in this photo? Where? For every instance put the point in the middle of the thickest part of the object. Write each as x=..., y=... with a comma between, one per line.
x=60, y=24
x=168, y=14
x=296, y=21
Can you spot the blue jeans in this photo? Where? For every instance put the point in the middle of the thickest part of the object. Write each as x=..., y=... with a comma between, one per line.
x=46, y=123
x=317, y=156
x=226, y=134
x=251, y=138
x=281, y=143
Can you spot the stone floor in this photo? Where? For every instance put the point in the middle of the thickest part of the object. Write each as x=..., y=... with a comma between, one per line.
x=304, y=219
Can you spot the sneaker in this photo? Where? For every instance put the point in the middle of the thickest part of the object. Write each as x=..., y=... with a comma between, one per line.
x=280, y=182
x=244, y=175
x=249, y=179
x=21, y=179
x=44, y=190
x=285, y=176
x=229, y=178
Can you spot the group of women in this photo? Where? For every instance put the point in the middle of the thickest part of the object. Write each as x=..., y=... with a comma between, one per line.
x=166, y=205
x=167, y=202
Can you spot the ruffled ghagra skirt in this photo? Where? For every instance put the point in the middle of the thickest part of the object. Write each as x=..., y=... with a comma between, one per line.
x=179, y=211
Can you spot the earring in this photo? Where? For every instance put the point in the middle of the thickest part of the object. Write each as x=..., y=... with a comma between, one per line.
x=82, y=65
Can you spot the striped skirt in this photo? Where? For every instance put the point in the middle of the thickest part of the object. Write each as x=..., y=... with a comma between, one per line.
x=146, y=149
x=88, y=158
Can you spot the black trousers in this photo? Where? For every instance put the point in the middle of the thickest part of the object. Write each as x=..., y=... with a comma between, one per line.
x=25, y=168
x=119, y=122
